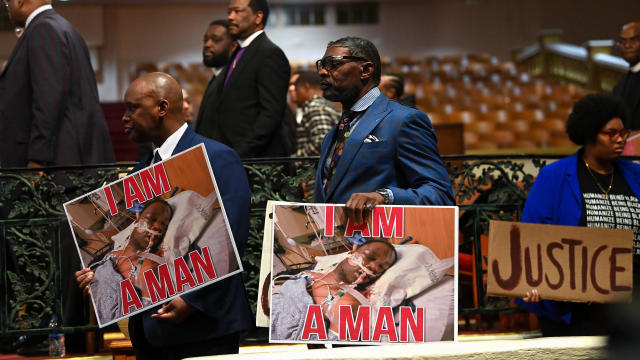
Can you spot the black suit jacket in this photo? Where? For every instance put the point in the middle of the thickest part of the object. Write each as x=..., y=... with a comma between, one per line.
x=49, y=107
x=223, y=307
x=628, y=88
x=247, y=113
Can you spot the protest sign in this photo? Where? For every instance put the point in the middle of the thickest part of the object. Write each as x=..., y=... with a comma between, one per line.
x=388, y=280
x=153, y=235
x=567, y=263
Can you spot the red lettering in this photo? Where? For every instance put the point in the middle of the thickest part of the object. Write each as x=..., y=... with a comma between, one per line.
x=158, y=184
x=614, y=269
x=395, y=221
x=158, y=289
x=328, y=220
x=361, y=329
x=183, y=275
x=314, y=323
x=385, y=325
x=416, y=324
x=132, y=192
x=113, y=208
x=351, y=227
x=201, y=263
x=129, y=297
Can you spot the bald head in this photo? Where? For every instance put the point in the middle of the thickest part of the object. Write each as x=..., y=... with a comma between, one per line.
x=153, y=108
x=629, y=42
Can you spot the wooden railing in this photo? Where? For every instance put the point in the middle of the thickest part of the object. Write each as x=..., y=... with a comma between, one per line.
x=591, y=65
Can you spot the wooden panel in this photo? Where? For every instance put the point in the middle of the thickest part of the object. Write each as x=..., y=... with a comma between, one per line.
x=450, y=138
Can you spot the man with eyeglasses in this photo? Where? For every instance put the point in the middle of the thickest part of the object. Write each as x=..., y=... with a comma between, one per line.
x=628, y=88
x=380, y=152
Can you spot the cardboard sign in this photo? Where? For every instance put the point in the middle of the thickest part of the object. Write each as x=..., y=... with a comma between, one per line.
x=153, y=235
x=388, y=280
x=567, y=263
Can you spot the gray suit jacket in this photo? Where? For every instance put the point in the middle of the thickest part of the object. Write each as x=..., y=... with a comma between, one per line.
x=49, y=107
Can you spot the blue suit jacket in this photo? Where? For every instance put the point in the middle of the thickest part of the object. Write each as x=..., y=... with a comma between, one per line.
x=223, y=306
x=405, y=159
x=555, y=198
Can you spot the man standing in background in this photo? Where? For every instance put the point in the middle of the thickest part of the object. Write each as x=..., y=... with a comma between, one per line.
x=628, y=88
x=218, y=46
x=50, y=113
x=252, y=97
x=316, y=116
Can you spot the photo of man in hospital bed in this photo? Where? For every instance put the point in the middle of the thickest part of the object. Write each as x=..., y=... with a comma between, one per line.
x=144, y=237
x=354, y=271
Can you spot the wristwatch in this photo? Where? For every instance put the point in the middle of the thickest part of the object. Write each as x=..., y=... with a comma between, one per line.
x=385, y=195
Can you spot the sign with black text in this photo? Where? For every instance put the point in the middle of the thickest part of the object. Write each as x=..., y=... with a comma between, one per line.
x=568, y=263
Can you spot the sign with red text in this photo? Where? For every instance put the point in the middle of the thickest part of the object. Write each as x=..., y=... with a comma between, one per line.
x=153, y=235
x=567, y=263
x=389, y=279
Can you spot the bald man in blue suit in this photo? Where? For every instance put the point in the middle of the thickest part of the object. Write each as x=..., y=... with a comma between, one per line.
x=207, y=321
x=381, y=152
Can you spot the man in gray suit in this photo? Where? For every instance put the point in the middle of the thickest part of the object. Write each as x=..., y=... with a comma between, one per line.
x=49, y=108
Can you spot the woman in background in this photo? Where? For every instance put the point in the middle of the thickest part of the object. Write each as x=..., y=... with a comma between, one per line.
x=575, y=191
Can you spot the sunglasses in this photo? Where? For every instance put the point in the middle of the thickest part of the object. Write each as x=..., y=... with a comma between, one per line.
x=613, y=133
x=331, y=62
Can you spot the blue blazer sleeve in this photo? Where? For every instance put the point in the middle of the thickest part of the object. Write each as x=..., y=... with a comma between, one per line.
x=420, y=163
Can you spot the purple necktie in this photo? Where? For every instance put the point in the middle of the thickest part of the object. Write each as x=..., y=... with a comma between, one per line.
x=233, y=64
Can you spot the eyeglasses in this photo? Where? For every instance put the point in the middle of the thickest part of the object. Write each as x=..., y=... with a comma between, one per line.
x=613, y=133
x=331, y=62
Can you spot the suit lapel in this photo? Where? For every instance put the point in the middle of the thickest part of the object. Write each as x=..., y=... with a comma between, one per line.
x=572, y=177
x=370, y=119
x=185, y=142
x=17, y=48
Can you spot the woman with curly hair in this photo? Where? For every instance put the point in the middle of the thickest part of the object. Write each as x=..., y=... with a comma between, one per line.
x=593, y=188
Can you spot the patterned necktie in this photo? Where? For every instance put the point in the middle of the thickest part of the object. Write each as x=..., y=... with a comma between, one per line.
x=342, y=134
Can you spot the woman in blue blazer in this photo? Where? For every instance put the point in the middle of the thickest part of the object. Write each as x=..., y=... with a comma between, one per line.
x=586, y=189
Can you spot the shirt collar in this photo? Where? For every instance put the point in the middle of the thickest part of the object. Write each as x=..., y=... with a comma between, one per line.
x=35, y=13
x=635, y=68
x=365, y=101
x=216, y=70
x=246, y=42
x=169, y=145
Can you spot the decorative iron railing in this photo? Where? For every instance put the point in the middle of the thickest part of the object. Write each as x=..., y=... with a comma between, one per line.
x=32, y=223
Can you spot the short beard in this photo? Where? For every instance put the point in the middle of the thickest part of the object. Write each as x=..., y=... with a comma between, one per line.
x=345, y=97
x=215, y=61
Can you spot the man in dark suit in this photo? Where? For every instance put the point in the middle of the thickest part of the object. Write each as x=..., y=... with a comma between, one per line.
x=218, y=46
x=251, y=99
x=49, y=108
x=206, y=321
x=628, y=88
x=380, y=152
